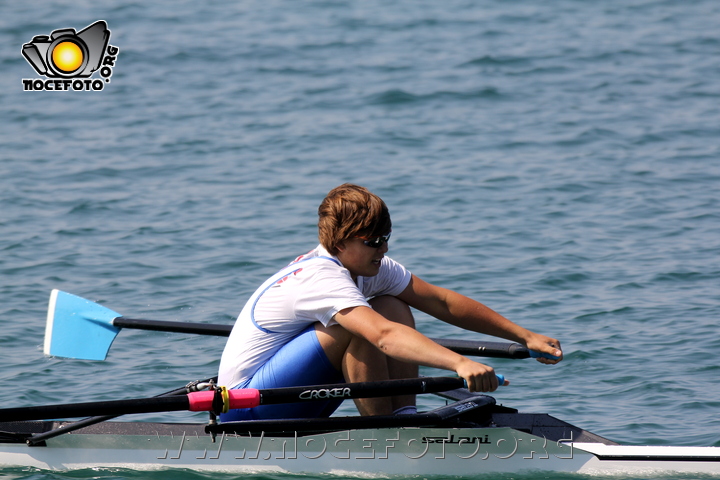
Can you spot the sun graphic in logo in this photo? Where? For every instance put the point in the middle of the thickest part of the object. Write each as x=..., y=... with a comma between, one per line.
x=67, y=56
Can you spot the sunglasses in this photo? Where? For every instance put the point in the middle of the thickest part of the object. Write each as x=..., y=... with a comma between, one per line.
x=376, y=242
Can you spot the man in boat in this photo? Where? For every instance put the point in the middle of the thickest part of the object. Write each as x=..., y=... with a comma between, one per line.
x=342, y=313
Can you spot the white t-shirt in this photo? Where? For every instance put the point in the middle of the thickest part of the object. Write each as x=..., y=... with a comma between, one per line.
x=313, y=288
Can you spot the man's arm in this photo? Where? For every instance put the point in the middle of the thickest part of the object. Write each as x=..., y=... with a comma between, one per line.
x=407, y=344
x=466, y=313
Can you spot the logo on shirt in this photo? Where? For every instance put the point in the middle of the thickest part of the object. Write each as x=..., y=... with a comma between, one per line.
x=288, y=276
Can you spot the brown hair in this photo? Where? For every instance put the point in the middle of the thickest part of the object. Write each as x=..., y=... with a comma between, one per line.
x=350, y=211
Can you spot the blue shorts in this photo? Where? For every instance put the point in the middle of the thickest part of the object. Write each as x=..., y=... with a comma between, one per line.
x=302, y=361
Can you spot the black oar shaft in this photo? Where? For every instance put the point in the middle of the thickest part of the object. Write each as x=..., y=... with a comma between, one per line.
x=214, y=329
x=114, y=407
x=388, y=388
x=463, y=347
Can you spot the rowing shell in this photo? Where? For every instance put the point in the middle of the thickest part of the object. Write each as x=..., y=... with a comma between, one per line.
x=470, y=436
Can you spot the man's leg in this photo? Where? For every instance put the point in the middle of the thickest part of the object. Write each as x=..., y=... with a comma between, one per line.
x=360, y=361
x=302, y=361
x=398, y=311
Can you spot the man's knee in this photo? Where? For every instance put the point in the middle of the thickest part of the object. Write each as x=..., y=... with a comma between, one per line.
x=393, y=309
x=334, y=341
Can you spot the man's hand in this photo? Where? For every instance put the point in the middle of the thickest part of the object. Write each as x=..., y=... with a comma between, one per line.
x=542, y=344
x=479, y=377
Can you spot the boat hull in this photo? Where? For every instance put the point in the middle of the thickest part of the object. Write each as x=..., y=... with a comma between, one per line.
x=362, y=452
x=403, y=451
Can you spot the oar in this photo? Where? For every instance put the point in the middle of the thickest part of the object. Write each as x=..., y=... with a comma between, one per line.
x=222, y=400
x=71, y=427
x=80, y=328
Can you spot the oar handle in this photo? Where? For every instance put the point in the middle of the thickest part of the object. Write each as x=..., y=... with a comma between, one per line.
x=484, y=349
x=534, y=354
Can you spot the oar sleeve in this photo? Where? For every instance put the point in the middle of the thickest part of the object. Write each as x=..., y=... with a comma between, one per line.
x=231, y=400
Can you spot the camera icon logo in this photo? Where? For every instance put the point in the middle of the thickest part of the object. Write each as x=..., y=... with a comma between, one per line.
x=66, y=53
x=68, y=56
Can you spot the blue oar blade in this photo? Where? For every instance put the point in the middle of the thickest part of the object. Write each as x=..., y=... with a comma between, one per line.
x=78, y=328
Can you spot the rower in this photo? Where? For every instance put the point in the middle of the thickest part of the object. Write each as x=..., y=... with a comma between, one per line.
x=342, y=313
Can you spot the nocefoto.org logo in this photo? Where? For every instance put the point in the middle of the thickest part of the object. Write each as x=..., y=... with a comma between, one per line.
x=67, y=59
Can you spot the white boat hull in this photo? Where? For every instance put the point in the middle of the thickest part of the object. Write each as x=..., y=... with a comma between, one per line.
x=381, y=452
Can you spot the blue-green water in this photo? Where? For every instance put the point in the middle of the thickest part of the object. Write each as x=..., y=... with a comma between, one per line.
x=558, y=161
